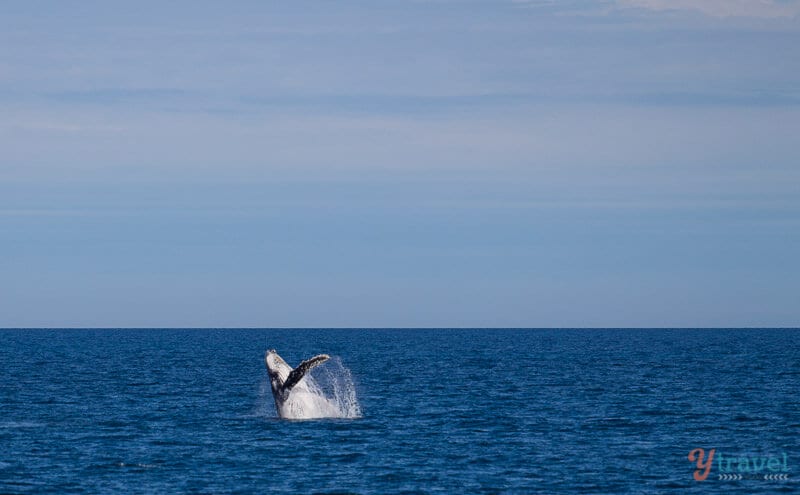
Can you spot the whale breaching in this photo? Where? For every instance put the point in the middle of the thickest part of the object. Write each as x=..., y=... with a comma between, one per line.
x=297, y=396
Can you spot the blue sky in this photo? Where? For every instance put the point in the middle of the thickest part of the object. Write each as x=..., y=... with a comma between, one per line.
x=400, y=163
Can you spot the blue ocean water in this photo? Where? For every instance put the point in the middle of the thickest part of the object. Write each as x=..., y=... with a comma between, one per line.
x=444, y=411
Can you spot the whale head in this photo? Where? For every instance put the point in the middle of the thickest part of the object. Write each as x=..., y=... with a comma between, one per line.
x=277, y=369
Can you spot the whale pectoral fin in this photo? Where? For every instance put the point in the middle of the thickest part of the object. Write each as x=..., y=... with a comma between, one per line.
x=298, y=373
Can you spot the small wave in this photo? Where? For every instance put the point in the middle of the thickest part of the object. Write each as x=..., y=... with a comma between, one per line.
x=20, y=424
x=139, y=465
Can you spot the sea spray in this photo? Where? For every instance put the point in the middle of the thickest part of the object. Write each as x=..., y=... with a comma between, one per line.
x=265, y=405
x=335, y=381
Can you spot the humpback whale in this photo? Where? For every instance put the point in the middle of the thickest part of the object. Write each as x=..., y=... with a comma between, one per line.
x=296, y=398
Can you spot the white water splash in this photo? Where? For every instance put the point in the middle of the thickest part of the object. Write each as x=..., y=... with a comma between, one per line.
x=326, y=392
x=334, y=381
x=265, y=405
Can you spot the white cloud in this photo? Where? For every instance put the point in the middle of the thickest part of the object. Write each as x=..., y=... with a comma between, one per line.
x=722, y=8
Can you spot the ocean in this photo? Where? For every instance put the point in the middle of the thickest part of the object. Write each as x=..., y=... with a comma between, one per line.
x=436, y=411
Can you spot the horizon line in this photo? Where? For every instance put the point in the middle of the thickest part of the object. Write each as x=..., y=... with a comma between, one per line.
x=408, y=328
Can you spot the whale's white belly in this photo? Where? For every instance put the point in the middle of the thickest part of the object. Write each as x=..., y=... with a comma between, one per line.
x=304, y=404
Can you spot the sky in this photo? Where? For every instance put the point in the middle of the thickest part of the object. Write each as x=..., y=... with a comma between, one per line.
x=520, y=163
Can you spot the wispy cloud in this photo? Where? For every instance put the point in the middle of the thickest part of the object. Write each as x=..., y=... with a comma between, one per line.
x=46, y=212
x=41, y=126
x=117, y=95
x=722, y=8
x=761, y=9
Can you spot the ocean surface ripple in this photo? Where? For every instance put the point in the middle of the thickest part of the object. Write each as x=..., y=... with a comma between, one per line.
x=442, y=411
